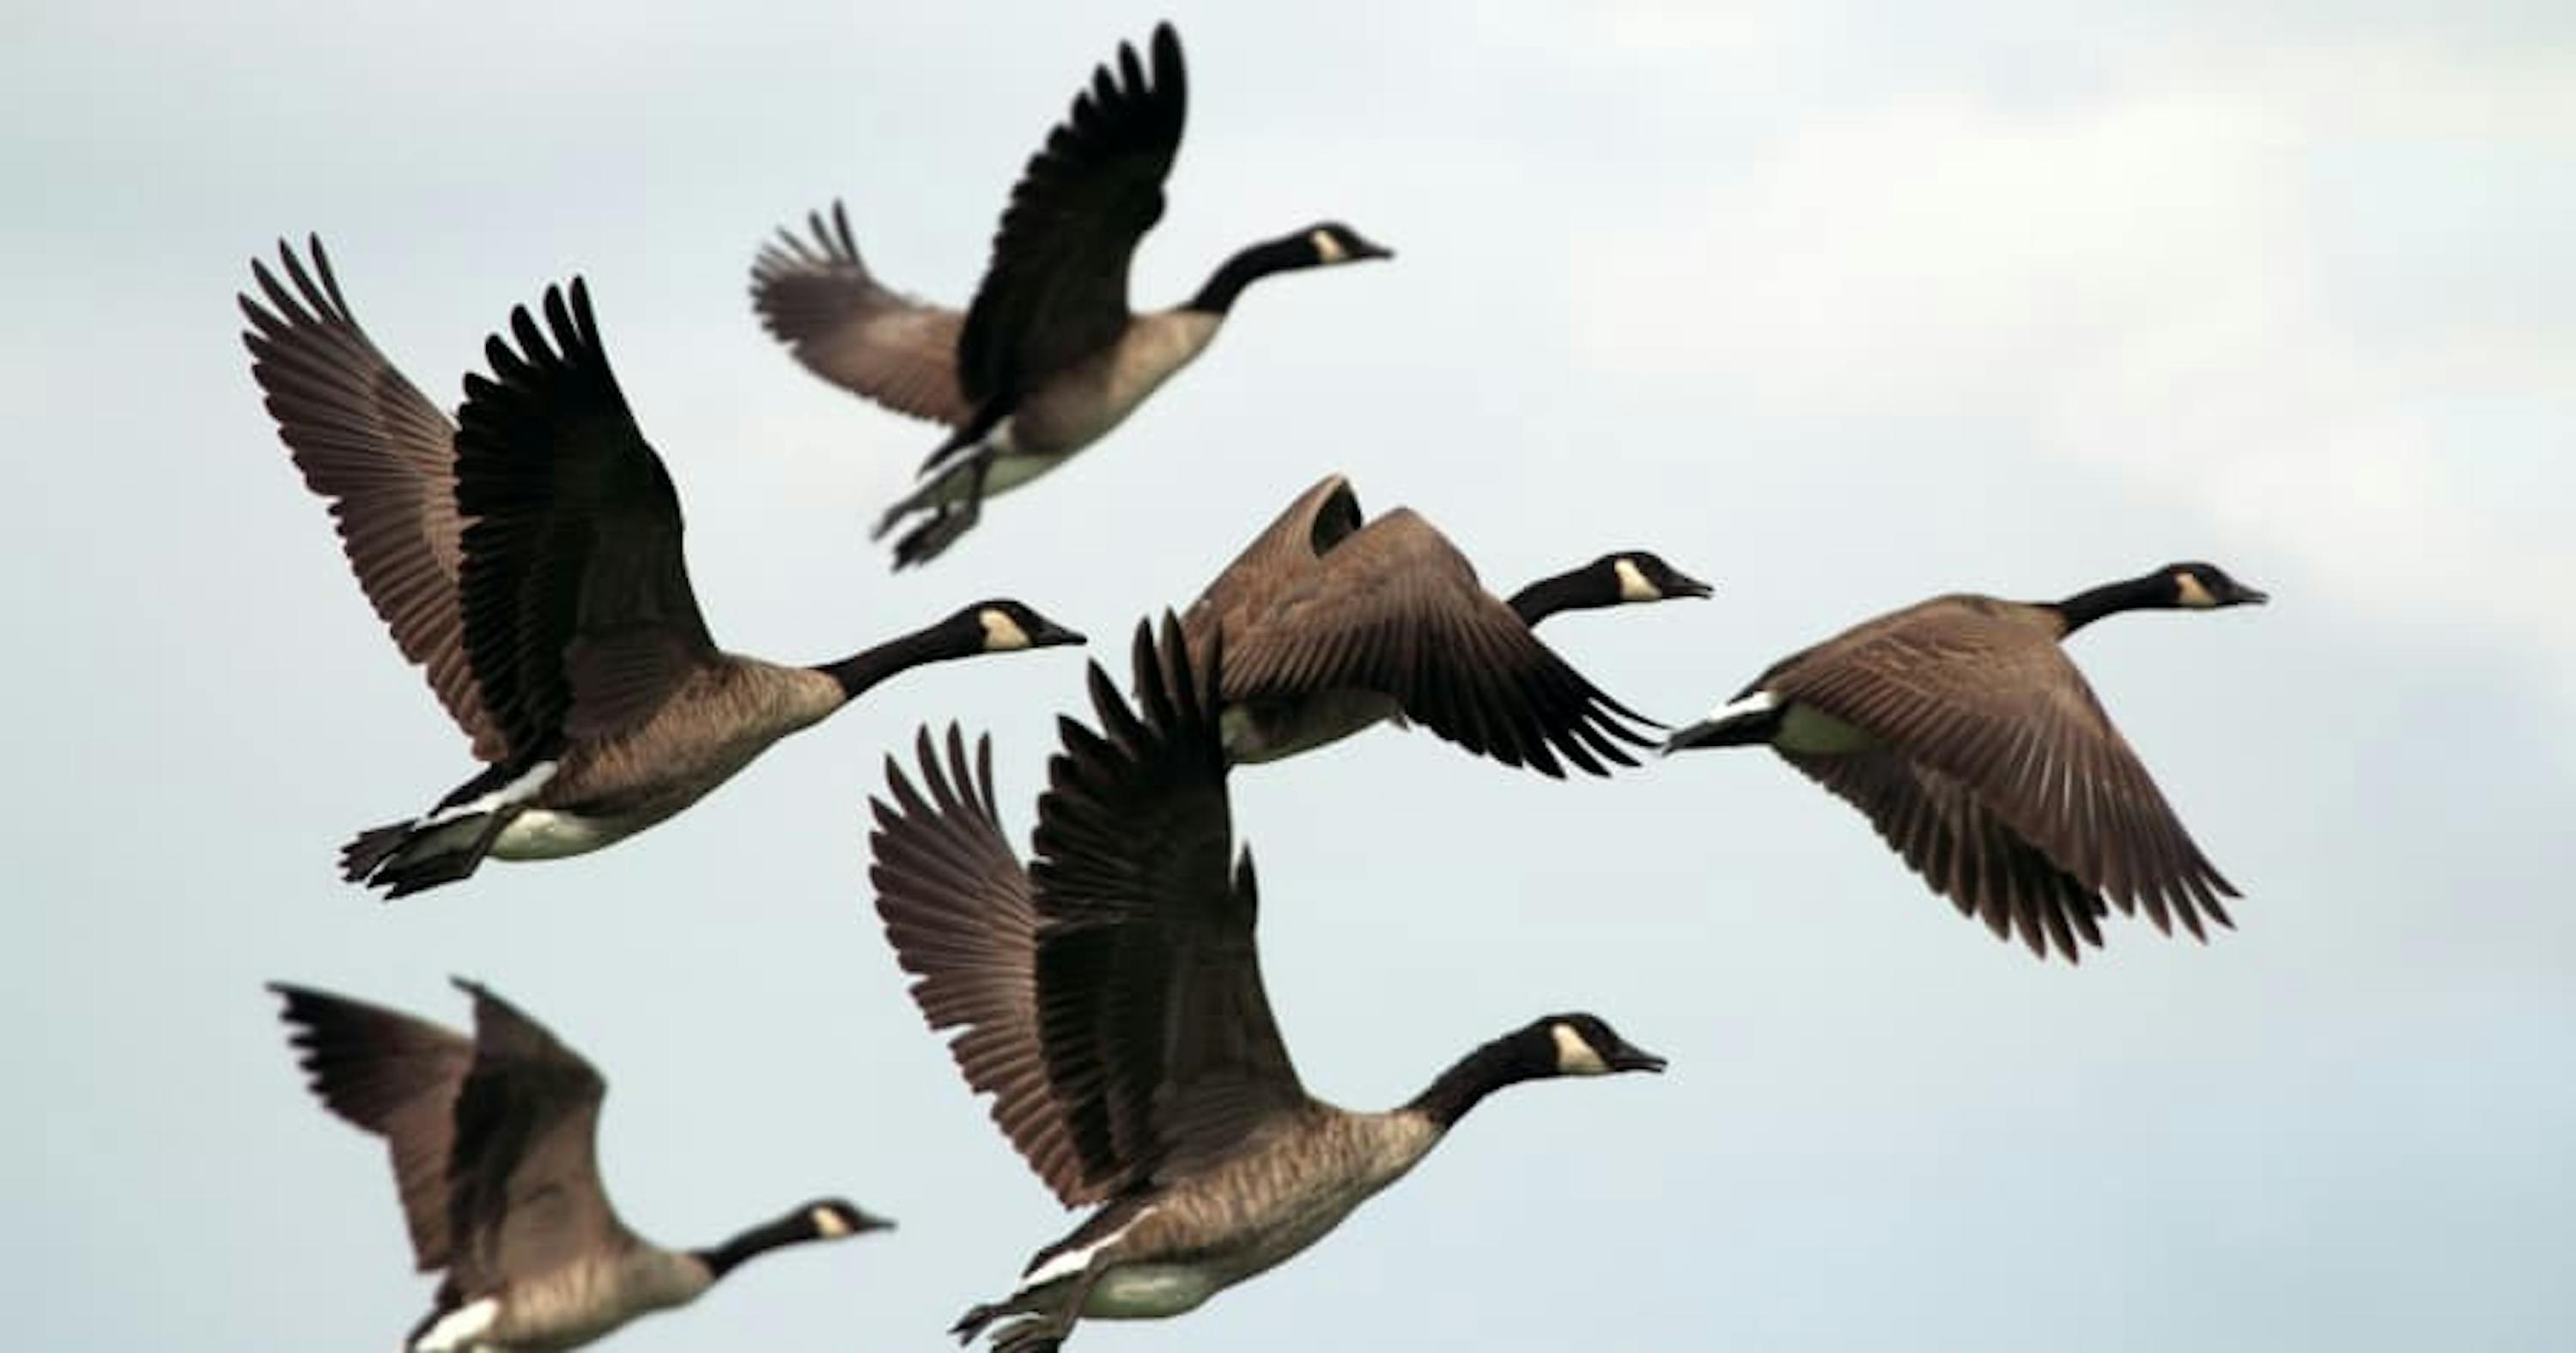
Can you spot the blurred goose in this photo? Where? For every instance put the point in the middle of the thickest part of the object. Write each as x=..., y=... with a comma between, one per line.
x=1049, y=358
x=1975, y=747
x=1109, y=998
x=1332, y=623
x=493, y=1143
x=531, y=562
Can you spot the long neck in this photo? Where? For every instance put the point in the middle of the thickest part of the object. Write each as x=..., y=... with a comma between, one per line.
x=792, y=1229
x=1574, y=591
x=2134, y=594
x=1249, y=265
x=860, y=671
x=1478, y=1074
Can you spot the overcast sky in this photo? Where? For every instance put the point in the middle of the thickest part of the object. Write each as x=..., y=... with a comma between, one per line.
x=1836, y=306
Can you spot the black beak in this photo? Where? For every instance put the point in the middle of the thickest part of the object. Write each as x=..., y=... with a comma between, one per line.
x=1630, y=1057
x=2249, y=596
x=1053, y=635
x=868, y=1222
x=1684, y=585
x=1365, y=249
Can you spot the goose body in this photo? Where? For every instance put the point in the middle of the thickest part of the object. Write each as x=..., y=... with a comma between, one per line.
x=492, y=1139
x=1048, y=358
x=1978, y=751
x=1333, y=623
x=529, y=557
x=1110, y=1000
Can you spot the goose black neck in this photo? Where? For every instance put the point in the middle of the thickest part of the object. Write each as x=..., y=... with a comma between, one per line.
x=1508, y=1060
x=1249, y=265
x=792, y=1229
x=1578, y=590
x=861, y=671
x=2134, y=594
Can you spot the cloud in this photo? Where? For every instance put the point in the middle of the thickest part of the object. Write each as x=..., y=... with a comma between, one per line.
x=2170, y=282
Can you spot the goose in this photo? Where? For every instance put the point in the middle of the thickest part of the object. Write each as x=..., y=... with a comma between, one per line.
x=1109, y=998
x=1962, y=731
x=1332, y=622
x=494, y=1152
x=1048, y=358
x=530, y=560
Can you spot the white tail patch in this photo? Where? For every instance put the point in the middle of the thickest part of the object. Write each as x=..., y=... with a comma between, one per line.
x=1071, y=1262
x=1760, y=702
x=517, y=791
x=459, y=1329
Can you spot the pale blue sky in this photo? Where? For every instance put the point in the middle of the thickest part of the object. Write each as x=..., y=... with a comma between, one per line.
x=1835, y=306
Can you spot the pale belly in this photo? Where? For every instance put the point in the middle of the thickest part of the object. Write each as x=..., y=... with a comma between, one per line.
x=1809, y=730
x=1269, y=731
x=1150, y=1291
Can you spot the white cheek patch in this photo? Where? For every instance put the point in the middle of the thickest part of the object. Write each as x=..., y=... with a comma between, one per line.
x=459, y=1328
x=829, y=1224
x=1633, y=585
x=1001, y=632
x=1575, y=1057
x=1327, y=248
x=2192, y=594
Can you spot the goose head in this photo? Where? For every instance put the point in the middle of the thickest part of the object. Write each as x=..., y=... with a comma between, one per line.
x=2201, y=587
x=1329, y=242
x=1581, y=1044
x=837, y=1219
x=1002, y=625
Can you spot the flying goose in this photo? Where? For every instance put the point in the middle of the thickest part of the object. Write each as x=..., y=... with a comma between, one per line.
x=493, y=1145
x=1048, y=359
x=1959, y=727
x=530, y=560
x=1624, y=578
x=1332, y=623
x=1111, y=1003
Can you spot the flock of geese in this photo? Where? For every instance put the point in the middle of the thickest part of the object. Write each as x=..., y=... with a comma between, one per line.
x=1107, y=993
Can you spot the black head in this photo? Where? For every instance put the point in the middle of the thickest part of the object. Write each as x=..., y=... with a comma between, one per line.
x=2201, y=587
x=837, y=1219
x=1641, y=575
x=1002, y=625
x=1330, y=242
x=1580, y=1044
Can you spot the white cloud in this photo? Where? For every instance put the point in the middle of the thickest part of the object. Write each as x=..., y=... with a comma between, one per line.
x=2139, y=281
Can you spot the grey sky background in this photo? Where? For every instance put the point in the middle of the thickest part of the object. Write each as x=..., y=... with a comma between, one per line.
x=1837, y=306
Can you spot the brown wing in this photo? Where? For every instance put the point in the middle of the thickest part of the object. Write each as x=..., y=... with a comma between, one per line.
x=846, y=327
x=1946, y=835
x=525, y=1196
x=368, y=441
x=578, y=611
x=397, y=1077
x=1056, y=289
x=1395, y=608
x=960, y=913
x=1979, y=691
x=1159, y=1038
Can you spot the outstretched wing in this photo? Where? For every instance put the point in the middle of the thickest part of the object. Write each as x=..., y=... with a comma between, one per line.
x=1158, y=1035
x=367, y=440
x=818, y=297
x=1395, y=608
x=1995, y=707
x=1056, y=289
x=962, y=917
x=578, y=611
x=526, y=1196
x=397, y=1077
